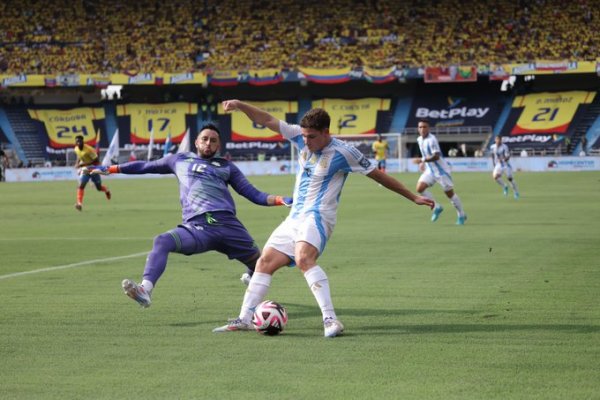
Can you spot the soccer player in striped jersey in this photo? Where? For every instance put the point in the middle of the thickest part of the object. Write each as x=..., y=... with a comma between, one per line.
x=86, y=157
x=500, y=158
x=435, y=169
x=324, y=164
x=208, y=210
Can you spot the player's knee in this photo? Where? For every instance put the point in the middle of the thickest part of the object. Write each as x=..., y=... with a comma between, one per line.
x=164, y=242
x=267, y=264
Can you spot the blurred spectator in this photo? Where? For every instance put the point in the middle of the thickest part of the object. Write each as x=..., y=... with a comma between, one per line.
x=584, y=143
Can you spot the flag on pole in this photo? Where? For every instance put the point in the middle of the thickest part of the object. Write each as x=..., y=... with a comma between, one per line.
x=98, y=142
x=167, y=145
x=184, y=146
x=132, y=156
x=113, y=150
x=151, y=144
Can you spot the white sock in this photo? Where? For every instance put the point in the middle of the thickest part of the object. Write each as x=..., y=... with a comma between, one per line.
x=428, y=194
x=455, y=200
x=148, y=286
x=500, y=182
x=255, y=293
x=514, y=185
x=319, y=285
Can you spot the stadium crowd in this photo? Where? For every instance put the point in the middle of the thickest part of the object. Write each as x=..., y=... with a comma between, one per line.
x=110, y=36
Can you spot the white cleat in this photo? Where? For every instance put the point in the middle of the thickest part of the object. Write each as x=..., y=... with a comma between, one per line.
x=333, y=327
x=234, y=325
x=245, y=278
x=137, y=293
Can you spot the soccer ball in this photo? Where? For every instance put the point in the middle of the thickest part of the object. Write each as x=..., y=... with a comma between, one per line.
x=269, y=318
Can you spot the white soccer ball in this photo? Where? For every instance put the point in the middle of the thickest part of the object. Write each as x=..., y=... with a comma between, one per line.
x=269, y=318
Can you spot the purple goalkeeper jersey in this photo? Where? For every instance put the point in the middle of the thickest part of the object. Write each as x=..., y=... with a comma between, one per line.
x=202, y=182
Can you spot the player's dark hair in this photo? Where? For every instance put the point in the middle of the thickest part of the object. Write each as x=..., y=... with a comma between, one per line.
x=317, y=118
x=424, y=120
x=79, y=137
x=212, y=127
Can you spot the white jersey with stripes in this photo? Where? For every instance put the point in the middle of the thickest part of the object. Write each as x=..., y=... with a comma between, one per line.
x=321, y=175
x=501, y=154
x=429, y=146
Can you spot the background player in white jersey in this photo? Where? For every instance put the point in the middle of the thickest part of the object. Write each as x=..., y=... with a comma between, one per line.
x=324, y=163
x=435, y=169
x=500, y=156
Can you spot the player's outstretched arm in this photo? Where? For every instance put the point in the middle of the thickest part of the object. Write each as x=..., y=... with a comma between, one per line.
x=100, y=170
x=396, y=186
x=257, y=115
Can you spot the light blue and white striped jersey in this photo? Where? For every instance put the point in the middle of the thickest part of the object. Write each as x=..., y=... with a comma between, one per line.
x=500, y=154
x=429, y=146
x=321, y=175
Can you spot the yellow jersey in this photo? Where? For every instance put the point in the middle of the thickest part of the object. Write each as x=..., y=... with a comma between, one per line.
x=87, y=155
x=380, y=149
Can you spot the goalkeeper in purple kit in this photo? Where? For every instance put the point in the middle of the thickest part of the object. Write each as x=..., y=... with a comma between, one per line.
x=208, y=210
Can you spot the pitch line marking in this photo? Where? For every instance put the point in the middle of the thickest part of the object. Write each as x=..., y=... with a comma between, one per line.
x=75, y=265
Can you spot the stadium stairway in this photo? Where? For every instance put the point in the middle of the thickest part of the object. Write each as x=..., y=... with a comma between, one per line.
x=585, y=123
x=7, y=128
x=501, y=120
x=400, y=113
x=26, y=133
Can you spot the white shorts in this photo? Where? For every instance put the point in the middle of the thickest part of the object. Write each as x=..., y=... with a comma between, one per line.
x=308, y=229
x=445, y=181
x=499, y=170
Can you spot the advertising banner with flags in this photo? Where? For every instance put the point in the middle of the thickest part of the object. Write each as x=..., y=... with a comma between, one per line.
x=545, y=119
x=113, y=150
x=446, y=109
x=353, y=117
x=243, y=129
x=62, y=126
x=140, y=119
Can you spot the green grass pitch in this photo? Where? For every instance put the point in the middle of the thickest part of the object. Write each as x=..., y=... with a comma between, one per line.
x=505, y=307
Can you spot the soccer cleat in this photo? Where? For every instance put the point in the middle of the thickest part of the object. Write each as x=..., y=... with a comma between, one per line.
x=78, y=206
x=108, y=195
x=234, y=325
x=517, y=195
x=505, y=191
x=436, y=213
x=136, y=292
x=461, y=219
x=333, y=327
x=245, y=278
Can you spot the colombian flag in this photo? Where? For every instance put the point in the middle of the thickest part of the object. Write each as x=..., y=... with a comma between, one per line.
x=326, y=76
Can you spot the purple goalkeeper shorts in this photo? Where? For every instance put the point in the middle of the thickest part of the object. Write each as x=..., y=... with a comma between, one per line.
x=219, y=231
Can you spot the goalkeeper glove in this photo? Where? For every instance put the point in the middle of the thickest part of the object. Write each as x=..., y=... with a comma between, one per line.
x=283, y=201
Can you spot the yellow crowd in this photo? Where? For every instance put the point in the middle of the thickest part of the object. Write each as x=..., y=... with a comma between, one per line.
x=109, y=36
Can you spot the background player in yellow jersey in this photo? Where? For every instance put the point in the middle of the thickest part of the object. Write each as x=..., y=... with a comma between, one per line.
x=86, y=156
x=380, y=147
